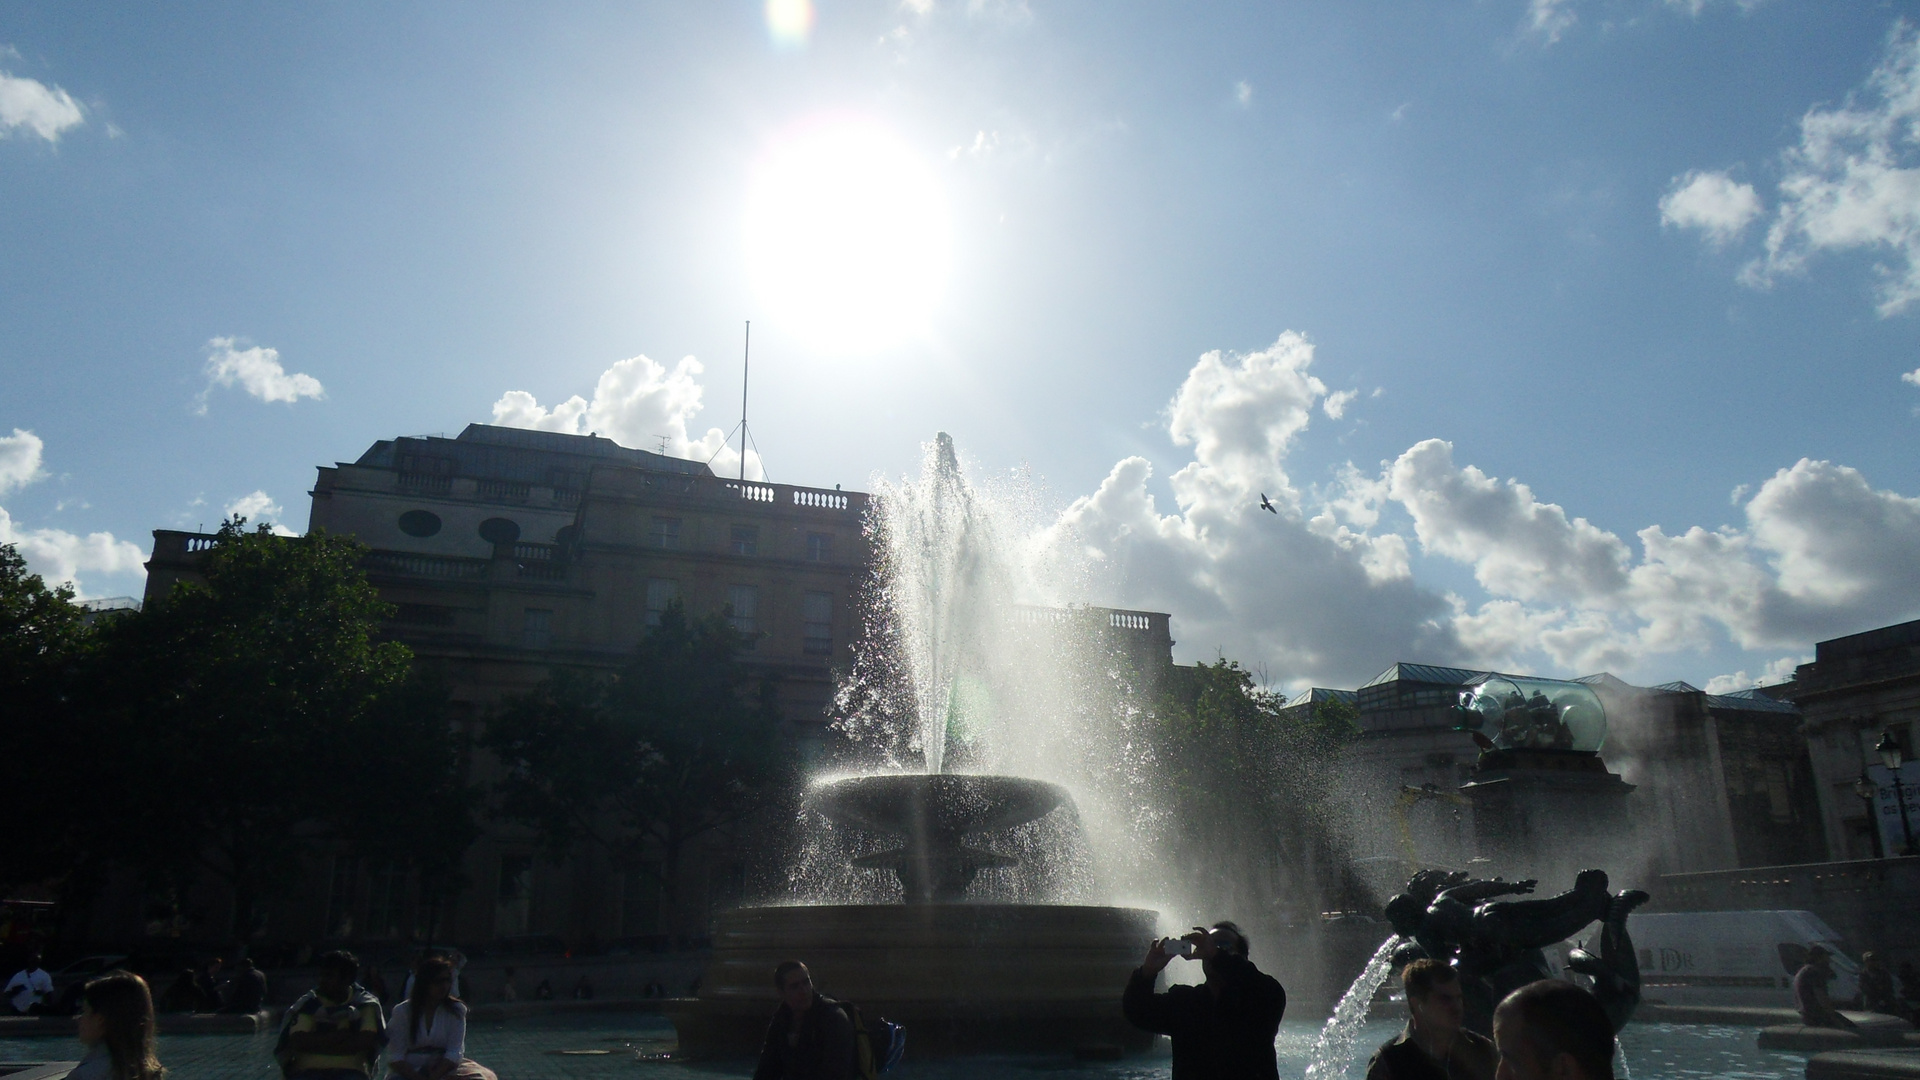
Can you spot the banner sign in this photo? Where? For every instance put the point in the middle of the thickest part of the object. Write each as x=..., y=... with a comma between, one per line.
x=1886, y=805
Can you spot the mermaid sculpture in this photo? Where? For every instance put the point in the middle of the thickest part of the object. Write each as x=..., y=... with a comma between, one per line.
x=1496, y=943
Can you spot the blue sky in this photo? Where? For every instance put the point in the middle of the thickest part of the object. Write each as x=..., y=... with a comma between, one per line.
x=1644, y=258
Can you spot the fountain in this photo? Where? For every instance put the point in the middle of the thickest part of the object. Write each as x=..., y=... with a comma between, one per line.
x=962, y=973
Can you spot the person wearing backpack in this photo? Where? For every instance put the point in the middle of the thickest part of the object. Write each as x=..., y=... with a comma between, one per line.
x=810, y=1037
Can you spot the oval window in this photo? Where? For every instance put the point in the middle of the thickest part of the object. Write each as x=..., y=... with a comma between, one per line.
x=419, y=523
x=499, y=531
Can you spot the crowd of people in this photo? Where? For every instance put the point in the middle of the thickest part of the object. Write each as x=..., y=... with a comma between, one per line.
x=339, y=1030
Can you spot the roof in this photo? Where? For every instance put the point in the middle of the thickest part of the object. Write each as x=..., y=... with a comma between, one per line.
x=1676, y=687
x=1424, y=673
x=504, y=453
x=1751, y=700
x=1317, y=694
x=1899, y=635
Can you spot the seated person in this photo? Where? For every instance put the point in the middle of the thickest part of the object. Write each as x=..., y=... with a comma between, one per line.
x=1810, y=992
x=428, y=1037
x=335, y=1030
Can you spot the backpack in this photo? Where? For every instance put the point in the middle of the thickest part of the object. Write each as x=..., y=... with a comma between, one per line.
x=878, y=1045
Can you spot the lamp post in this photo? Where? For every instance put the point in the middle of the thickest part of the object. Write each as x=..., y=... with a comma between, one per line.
x=1867, y=789
x=1893, y=755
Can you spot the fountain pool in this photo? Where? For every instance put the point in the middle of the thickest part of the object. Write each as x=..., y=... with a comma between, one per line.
x=552, y=1047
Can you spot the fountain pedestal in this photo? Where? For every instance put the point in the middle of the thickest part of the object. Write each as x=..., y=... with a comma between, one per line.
x=963, y=978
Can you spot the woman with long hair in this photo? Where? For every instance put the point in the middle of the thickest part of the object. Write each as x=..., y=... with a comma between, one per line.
x=116, y=1023
x=427, y=1034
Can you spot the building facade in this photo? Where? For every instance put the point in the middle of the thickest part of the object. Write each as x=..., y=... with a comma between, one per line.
x=1856, y=688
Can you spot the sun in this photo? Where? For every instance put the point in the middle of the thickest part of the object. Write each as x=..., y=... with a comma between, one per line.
x=847, y=236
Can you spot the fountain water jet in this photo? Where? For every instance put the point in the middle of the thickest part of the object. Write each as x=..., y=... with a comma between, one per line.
x=962, y=976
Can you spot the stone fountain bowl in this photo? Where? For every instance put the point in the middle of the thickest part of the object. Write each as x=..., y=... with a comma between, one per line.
x=940, y=804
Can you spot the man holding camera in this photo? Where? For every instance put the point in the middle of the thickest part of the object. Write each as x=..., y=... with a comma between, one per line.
x=1222, y=1029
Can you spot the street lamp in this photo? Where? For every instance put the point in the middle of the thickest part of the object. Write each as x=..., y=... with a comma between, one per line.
x=1867, y=789
x=1893, y=755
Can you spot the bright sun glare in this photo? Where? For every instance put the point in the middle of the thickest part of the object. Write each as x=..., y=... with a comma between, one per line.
x=847, y=236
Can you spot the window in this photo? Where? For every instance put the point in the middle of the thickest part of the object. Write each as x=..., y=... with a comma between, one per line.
x=513, y=905
x=420, y=523
x=537, y=631
x=745, y=540
x=743, y=605
x=817, y=611
x=660, y=593
x=664, y=533
x=819, y=547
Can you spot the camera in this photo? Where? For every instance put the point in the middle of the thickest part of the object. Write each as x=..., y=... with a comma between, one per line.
x=1177, y=947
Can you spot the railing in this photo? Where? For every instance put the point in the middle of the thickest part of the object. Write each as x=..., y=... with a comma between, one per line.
x=1129, y=620
x=425, y=483
x=541, y=571
x=751, y=492
x=825, y=500
x=506, y=491
x=1114, y=618
x=536, y=551
x=413, y=565
x=565, y=497
x=201, y=543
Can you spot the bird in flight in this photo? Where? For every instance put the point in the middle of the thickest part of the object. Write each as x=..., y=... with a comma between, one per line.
x=1267, y=505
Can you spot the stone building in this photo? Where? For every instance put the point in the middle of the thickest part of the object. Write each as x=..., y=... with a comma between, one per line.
x=1716, y=781
x=1857, y=687
x=507, y=552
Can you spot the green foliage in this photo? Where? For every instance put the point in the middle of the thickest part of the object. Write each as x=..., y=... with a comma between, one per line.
x=1248, y=783
x=244, y=723
x=42, y=637
x=682, y=741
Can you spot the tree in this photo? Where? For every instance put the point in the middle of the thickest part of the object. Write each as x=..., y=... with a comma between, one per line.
x=682, y=741
x=42, y=636
x=234, y=723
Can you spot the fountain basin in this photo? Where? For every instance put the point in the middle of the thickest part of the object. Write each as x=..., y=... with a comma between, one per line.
x=931, y=812
x=963, y=978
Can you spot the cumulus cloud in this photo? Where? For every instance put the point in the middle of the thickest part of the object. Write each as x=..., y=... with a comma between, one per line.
x=1853, y=182
x=1243, y=93
x=1311, y=593
x=259, y=507
x=1911, y=378
x=639, y=403
x=61, y=556
x=256, y=370
x=19, y=460
x=1712, y=202
x=1822, y=553
x=1336, y=404
x=55, y=554
x=34, y=108
x=1775, y=673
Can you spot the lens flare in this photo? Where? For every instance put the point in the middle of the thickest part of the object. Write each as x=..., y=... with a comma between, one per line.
x=847, y=235
x=789, y=22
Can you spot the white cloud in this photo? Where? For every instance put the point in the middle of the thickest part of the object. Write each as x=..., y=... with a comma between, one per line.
x=1852, y=182
x=1911, y=378
x=32, y=106
x=1243, y=93
x=1314, y=595
x=1822, y=553
x=19, y=460
x=1336, y=404
x=637, y=403
x=1775, y=673
x=60, y=556
x=258, y=371
x=1550, y=19
x=258, y=507
x=1712, y=202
